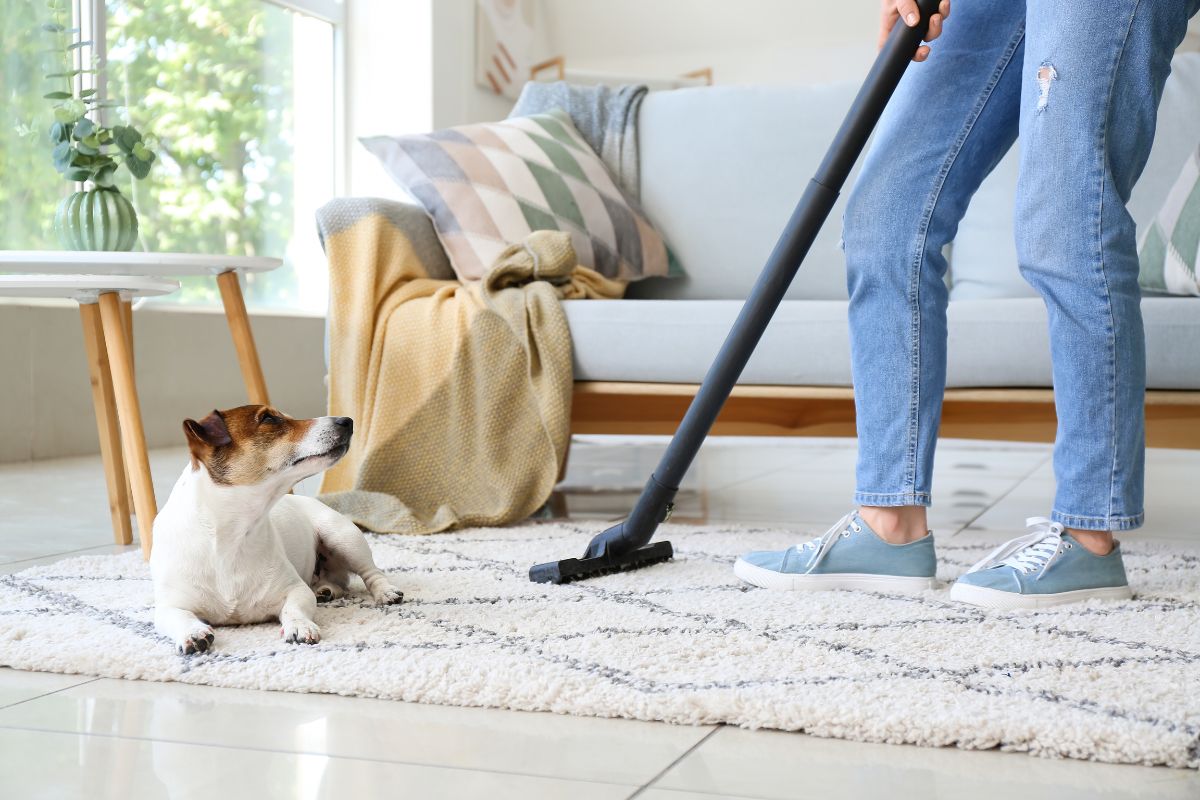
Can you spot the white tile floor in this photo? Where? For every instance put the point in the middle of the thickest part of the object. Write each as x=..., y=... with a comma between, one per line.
x=64, y=736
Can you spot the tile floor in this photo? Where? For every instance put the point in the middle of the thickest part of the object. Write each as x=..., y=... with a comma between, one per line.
x=66, y=736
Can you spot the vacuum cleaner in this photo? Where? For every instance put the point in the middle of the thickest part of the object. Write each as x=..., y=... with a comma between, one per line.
x=624, y=546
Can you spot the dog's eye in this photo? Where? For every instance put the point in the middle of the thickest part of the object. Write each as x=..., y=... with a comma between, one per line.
x=269, y=419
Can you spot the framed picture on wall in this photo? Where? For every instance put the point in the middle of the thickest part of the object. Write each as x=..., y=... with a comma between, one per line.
x=509, y=39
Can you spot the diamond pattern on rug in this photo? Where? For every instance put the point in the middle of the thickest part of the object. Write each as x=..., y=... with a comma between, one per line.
x=683, y=642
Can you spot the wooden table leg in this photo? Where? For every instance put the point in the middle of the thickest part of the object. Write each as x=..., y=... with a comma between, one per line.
x=243, y=338
x=129, y=412
x=106, y=422
x=127, y=315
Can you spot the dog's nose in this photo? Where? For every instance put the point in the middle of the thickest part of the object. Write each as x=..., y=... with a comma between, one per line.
x=344, y=422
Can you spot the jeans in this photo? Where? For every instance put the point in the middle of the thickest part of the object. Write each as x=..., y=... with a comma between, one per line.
x=1080, y=82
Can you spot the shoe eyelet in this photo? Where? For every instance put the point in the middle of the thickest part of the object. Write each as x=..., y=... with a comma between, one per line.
x=845, y=534
x=856, y=528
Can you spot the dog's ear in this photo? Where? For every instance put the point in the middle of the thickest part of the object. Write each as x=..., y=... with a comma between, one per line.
x=209, y=432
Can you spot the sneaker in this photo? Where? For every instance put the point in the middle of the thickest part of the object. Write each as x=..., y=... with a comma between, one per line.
x=1046, y=567
x=848, y=556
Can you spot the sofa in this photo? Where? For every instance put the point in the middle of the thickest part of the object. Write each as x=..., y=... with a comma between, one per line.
x=721, y=169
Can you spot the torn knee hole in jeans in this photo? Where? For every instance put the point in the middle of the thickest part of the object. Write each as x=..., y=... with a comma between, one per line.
x=1046, y=74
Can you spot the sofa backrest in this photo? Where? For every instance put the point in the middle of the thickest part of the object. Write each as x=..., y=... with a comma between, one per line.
x=721, y=170
x=723, y=167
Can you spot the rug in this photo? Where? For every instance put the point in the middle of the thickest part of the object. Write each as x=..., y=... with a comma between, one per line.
x=683, y=642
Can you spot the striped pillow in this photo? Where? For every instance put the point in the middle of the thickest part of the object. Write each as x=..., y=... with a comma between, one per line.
x=1170, y=247
x=490, y=185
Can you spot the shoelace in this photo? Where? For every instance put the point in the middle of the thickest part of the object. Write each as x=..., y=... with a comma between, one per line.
x=1033, y=552
x=821, y=545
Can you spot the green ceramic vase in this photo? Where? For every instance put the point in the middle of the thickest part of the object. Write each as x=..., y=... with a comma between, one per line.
x=96, y=219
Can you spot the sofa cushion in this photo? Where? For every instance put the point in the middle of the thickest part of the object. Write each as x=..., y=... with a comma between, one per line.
x=984, y=262
x=488, y=186
x=1169, y=248
x=721, y=170
x=991, y=342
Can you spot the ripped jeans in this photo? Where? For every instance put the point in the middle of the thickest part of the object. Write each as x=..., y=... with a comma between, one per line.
x=1080, y=82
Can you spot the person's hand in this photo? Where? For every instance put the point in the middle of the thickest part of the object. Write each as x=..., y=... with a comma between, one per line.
x=908, y=11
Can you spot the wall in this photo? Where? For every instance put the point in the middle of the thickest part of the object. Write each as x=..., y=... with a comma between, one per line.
x=185, y=363
x=756, y=41
x=389, y=76
x=456, y=98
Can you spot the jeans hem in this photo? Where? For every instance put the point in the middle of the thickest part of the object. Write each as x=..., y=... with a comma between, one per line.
x=1084, y=523
x=896, y=499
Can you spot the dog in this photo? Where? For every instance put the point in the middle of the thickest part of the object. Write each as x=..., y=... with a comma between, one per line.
x=231, y=546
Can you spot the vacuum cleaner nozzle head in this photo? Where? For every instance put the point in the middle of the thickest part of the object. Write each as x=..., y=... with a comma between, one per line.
x=572, y=569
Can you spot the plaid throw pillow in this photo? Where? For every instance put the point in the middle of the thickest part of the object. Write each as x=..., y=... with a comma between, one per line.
x=1170, y=247
x=490, y=185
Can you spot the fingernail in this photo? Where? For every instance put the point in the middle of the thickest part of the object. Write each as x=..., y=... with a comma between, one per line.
x=911, y=19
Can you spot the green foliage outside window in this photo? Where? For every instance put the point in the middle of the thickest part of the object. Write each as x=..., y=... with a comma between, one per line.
x=212, y=82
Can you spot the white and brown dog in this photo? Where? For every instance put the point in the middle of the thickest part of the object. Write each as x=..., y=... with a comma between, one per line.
x=231, y=546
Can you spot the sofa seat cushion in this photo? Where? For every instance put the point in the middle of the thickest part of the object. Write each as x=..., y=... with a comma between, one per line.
x=991, y=342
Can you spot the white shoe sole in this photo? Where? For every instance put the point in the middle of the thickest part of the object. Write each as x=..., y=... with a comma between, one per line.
x=787, y=582
x=999, y=599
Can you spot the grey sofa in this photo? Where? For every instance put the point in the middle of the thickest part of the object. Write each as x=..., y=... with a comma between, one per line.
x=721, y=170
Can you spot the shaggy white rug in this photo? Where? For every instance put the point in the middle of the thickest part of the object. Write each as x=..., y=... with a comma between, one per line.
x=683, y=642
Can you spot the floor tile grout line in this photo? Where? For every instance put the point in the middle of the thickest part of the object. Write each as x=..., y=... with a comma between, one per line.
x=650, y=783
x=45, y=694
x=275, y=751
x=1011, y=489
x=63, y=553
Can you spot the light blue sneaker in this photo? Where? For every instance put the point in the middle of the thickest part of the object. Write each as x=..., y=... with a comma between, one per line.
x=1046, y=567
x=848, y=556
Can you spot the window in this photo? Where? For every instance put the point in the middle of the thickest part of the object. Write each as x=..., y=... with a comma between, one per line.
x=242, y=99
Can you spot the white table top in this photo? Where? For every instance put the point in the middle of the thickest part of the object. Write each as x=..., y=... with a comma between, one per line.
x=84, y=288
x=96, y=262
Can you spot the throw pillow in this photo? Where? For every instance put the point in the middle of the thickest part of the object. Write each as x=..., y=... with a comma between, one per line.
x=489, y=185
x=1170, y=246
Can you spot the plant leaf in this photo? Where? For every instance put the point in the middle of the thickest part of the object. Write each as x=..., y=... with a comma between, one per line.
x=104, y=176
x=87, y=93
x=53, y=27
x=77, y=174
x=77, y=45
x=140, y=169
x=83, y=129
x=57, y=95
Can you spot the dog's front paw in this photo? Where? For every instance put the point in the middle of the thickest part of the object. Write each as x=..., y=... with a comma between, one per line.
x=301, y=631
x=196, y=641
x=387, y=595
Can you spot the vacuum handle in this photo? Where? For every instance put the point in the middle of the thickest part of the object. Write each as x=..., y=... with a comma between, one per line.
x=654, y=504
x=781, y=267
x=877, y=89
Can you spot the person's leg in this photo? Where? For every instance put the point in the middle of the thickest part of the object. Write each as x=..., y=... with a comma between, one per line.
x=1093, y=77
x=950, y=122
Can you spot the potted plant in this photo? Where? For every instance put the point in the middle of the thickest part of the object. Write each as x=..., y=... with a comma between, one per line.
x=99, y=217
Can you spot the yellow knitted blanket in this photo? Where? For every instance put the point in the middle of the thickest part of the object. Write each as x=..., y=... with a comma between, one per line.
x=460, y=393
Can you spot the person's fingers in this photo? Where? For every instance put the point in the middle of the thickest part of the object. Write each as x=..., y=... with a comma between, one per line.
x=944, y=8
x=922, y=53
x=935, y=28
x=908, y=11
